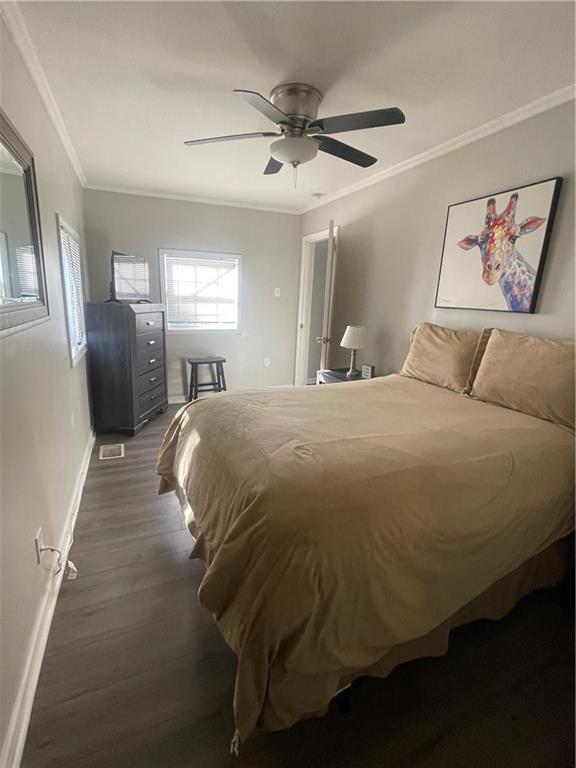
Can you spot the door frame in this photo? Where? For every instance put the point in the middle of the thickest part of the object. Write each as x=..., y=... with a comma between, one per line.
x=305, y=297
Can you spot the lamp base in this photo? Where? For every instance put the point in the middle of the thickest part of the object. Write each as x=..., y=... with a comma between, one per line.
x=353, y=373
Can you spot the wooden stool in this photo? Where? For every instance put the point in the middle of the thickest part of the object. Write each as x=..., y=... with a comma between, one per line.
x=217, y=384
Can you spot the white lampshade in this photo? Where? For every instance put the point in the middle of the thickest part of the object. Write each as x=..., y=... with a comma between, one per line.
x=294, y=150
x=355, y=337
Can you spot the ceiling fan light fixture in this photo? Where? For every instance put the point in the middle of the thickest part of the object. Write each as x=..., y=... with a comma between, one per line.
x=294, y=150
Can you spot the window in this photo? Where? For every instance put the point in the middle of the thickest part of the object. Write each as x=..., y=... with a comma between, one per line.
x=73, y=290
x=27, y=272
x=200, y=290
x=131, y=278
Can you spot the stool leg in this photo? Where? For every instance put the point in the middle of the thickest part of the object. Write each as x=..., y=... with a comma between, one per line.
x=214, y=379
x=195, y=382
x=220, y=367
x=190, y=385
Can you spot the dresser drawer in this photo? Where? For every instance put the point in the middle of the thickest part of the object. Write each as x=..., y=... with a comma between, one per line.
x=149, y=380
x=148, y=359
x=151, y=398
x=150, y=341
x=149, y=321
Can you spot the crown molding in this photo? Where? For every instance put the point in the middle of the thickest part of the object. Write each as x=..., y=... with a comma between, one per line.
x=190, y=199
x=533, y=108
x=19, y=33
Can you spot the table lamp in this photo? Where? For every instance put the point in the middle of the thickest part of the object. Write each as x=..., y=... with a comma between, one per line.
x=355, y=337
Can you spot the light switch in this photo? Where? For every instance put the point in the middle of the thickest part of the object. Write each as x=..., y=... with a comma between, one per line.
x=277, y=292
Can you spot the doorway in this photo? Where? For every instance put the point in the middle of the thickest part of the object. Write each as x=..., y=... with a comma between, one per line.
x=315, y=307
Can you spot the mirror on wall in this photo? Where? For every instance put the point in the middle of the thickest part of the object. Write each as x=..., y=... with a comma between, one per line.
x=22, y=280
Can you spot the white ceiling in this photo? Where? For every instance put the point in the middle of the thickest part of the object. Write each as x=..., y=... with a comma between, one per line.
x=134, y=80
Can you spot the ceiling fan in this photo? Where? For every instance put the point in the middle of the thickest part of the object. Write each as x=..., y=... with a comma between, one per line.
x=293, y=107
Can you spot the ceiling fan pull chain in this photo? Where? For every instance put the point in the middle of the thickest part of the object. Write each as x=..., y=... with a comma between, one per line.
x=295, y=174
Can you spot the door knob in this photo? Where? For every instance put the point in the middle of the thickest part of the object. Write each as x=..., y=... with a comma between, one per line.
x=322, y=339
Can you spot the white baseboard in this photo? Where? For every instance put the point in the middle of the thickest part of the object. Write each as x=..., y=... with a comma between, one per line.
x=14, y=740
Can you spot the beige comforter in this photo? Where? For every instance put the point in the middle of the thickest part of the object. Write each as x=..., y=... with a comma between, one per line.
x=340, y=521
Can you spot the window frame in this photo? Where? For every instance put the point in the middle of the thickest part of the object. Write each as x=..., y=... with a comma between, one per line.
x=76, y=353
x=206, y=255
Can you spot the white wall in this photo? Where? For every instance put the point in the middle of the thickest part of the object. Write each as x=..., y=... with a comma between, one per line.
x=390, y=241
x=269, y=244
x=44, y=415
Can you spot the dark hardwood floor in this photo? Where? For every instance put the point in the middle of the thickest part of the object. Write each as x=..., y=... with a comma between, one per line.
x=136, y=674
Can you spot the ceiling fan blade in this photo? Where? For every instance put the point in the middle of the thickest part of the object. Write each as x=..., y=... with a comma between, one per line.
x=233, y=137
x=273, y=166
x=359, y=120
x=344, y=151
x=264, y=106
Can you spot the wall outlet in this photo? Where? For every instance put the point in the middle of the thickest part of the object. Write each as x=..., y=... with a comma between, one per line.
x=266, y=362
x=38, y=544
x=277, y=292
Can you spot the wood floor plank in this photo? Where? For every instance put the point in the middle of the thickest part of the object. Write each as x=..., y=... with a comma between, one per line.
x=89, y=540
x=101, y=661
x=182, y=742
x=195, y=685
x=132, y=610
x=126, y=580
x=106, y=515
x=136, y=674
x=137, y=550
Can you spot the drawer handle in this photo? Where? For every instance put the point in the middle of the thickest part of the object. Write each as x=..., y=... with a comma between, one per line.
x=150, y=322
x=152, y=360
x=152, y=341
x=153, y=397
x=153, y=378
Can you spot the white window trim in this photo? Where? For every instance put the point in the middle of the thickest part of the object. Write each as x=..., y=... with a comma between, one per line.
x=216, y=255
x=75, y=353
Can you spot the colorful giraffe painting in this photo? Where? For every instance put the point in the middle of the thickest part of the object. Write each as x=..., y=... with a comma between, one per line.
x=502, y=263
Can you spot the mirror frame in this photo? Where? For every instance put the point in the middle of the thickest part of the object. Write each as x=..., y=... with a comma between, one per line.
x=17, y=317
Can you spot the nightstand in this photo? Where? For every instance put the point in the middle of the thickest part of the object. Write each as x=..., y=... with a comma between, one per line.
x=334, y=375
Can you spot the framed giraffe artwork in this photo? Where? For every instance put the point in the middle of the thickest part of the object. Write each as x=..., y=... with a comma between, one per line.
x=495, y=248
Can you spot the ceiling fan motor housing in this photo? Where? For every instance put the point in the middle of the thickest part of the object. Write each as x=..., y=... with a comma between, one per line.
x=299, y=101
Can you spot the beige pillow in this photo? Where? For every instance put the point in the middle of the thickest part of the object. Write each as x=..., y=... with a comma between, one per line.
x=535, y=376
x=444, y=357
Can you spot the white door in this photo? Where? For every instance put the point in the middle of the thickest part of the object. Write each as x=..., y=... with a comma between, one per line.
x=316, y=304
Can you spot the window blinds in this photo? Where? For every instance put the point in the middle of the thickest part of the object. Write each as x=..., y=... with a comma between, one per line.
x=201, y=291
x=131, y=278
x=74, y=292
x=27, y=271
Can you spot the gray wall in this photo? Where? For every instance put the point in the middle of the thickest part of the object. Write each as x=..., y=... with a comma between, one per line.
x=44, y=416
x=391, y=239
x=269, y=244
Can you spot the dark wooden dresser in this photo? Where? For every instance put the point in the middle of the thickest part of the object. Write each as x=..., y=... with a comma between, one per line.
x=127, y=364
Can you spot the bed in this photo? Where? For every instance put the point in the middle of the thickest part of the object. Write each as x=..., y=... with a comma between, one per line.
x=347, y=528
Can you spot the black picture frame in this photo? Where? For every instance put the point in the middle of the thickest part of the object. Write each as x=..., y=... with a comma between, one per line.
x=543, y=252
x=15, y=315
